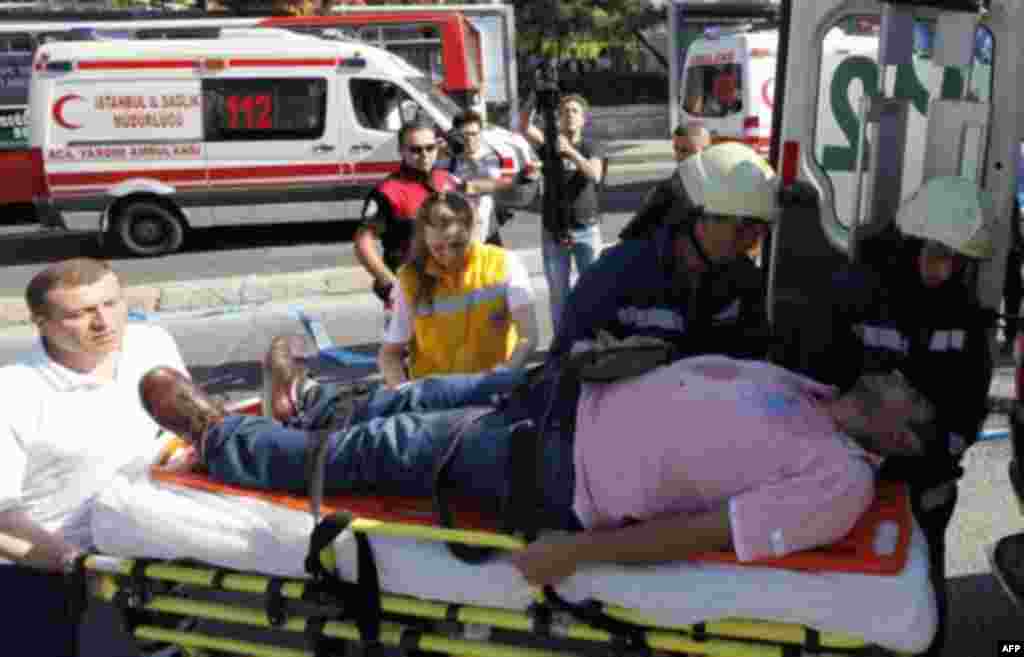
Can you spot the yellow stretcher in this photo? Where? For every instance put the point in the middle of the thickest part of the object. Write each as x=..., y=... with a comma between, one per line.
x=246, y=613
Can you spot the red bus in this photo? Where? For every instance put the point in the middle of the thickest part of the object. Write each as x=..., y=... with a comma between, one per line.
x=444, y=44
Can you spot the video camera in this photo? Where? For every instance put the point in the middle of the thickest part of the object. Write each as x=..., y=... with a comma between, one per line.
x=555, y=214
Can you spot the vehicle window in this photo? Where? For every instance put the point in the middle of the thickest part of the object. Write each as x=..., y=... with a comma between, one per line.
x=713, y=90
x=15, y=68
x=378, y=103
x=16, y=51
x=438, y=98
x=264, y=109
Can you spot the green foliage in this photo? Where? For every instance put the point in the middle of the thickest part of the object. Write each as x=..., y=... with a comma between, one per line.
x=581, y=28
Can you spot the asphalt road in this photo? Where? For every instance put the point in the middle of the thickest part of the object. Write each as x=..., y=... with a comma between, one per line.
x=277, y=248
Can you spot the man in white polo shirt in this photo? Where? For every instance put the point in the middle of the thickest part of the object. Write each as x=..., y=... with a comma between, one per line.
x=70, y=417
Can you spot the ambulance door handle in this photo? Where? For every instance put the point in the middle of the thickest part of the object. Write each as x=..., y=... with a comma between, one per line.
x=361, y=147
x=323, y=148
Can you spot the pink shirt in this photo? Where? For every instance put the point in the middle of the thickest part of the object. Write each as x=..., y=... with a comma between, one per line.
x=708, y=431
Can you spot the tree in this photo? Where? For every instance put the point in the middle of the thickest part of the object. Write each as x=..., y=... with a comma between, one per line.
x=562, y=27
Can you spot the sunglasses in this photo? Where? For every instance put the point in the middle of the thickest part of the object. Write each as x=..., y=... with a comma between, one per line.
x=417, y=149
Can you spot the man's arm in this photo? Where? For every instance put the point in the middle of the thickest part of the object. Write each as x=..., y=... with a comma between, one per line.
x=668, y=538
x=391, y=358
x=25, y=542
x=525, y=320
x=22, y=540
x=594, y=302
x=376, y=215
x=590, y=166
x=522, y=312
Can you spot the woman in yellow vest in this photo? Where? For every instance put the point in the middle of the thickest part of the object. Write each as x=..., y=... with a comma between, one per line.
x=461, y=306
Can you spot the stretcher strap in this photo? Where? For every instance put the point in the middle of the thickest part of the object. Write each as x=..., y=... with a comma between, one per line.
x=470, y=554
x=132, y=595
x=323, y=645
x=133, y=589
x=525, y=455
x=76, y=598
x=592, y=613
x=275, y=603
x=316, y=453
x=363, y=599
x=316, y=464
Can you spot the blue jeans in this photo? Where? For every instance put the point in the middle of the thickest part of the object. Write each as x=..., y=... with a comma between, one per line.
x=395, y=448
x=585, y=247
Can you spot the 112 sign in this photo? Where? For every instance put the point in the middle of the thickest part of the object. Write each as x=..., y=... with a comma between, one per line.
x=250, y=112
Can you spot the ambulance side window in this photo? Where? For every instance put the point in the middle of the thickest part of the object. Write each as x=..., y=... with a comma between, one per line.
x=15, y=68
x=713, y=90
x=264, y=109
x=377, y=104
x=16, y=50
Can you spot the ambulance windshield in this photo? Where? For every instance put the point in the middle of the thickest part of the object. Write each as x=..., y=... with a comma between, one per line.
x=439, y=99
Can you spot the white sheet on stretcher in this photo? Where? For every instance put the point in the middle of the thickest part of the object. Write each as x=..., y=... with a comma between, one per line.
x=137, y=517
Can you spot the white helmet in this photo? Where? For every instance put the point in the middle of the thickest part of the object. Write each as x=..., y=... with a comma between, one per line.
x=731, y=179
x=951, y=211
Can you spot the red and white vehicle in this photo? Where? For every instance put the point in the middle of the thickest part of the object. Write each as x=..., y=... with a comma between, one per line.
x=729, y=85
x=143, y=139
x=467, y=52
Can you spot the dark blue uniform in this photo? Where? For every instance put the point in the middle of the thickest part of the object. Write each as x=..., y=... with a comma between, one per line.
x=883, y=318
x=640, y=287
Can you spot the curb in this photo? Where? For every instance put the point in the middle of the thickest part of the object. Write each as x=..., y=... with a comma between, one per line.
x=653, y=157
x=239, y=291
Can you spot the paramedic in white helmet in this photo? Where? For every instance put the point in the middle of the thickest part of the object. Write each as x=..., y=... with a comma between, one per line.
x=687, y=281
x=669, y=195
x=908, y=304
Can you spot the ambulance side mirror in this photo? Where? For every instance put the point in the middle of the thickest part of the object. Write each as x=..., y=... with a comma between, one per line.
x=409, y=110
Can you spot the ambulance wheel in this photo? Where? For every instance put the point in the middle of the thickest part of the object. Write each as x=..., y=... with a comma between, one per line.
x=146, y=228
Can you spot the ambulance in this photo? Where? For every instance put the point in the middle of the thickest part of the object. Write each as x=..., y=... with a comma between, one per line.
x=728, y=84
x=728, y=80
x=143, y=140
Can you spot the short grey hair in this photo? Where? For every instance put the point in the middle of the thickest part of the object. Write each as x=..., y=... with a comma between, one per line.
x=876, y=389
x=872, y=392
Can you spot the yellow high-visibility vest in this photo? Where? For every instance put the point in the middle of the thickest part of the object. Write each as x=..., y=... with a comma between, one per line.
x=466, y=329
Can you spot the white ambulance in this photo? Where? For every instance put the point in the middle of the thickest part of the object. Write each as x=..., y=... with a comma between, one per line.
x=728, y=81
x=142, y=140
x=728, y=84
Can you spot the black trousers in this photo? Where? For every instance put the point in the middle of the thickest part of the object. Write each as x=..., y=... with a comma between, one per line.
x=37, y=615
x=934, y=522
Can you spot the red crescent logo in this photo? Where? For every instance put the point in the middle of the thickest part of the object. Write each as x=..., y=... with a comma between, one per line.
x=58, y=111
x=767, y=92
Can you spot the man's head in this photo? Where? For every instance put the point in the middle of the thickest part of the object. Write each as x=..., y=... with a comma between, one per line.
x=734, y=191
x=470, y=125
x=418, y=144
x=572, y=114
x=886, y=415
x=78, y=307
x=689, y=139
x=949, y=215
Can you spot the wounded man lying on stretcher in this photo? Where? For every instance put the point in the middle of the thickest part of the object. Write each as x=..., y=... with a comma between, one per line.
x=707, y=453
